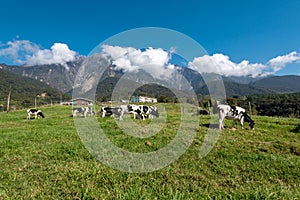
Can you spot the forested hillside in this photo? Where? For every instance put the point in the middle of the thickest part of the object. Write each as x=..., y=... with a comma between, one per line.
x=24, y=90
x=283, y=105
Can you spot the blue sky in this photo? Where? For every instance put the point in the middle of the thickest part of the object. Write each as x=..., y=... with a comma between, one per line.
x=257, y=31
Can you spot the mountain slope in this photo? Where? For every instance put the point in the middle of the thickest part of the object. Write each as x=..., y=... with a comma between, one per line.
x=62, y=78
x=236, y=89
x=281, y=84
x=57, y=76
x=24, y=90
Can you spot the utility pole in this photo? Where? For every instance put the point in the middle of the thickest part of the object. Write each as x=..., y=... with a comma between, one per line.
x=8, y=99
x=250, y=108
x=35, y=102
x=209, y=108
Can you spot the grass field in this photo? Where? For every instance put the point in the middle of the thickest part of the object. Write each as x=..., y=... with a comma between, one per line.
x=45, y=159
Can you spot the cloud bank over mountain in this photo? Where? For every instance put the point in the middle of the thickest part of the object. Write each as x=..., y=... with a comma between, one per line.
x=128, y=59
x=221, y=64
x=155, y=61
x=58, y=54
x=24, y=52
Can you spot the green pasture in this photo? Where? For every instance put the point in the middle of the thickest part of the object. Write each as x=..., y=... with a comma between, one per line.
x=46, y=159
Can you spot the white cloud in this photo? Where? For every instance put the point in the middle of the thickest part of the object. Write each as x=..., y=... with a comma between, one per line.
x=116, y=51
x=280, y=62
x=28, y=53
x=221, y=64
x=154, y=61
x=58, y=54
x=128, y=59
x=17, y=50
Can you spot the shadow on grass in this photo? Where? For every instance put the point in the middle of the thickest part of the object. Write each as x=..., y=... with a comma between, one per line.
x=208, y=125
x=296, y=129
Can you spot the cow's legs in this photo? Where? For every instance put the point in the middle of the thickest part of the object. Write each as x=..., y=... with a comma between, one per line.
x=121, y=115
x=242, y=122
x=221, y=120
x=221, y=126
x=85, y=113
x=75, y=113
x=233, y=123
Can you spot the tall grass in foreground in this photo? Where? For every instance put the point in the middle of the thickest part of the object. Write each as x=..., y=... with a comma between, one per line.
x=45, y=159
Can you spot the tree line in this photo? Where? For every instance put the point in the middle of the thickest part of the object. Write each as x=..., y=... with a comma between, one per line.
x=282, y=105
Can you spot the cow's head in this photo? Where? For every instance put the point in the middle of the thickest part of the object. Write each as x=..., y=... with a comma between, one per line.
x=154, y=112
x=41, y=114
x=251, y=124
x=248, y=119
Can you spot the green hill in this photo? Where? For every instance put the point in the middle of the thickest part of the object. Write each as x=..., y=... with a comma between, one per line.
x=235, y=89
x=281, y=84
x=24, y=90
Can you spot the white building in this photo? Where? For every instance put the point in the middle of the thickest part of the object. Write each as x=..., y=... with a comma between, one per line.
x=143, y=99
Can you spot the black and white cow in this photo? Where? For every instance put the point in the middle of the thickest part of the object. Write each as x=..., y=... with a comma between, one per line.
x=202, y=111
x=131, y=109
x=110, y=111
x=234, y=113
x=88, y=111
x=37, y=113
x=139, y=111
x=75, y=111
x=84, y=111
x=151, y=111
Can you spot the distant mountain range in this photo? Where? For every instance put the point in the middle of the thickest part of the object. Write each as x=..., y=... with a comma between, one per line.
x=61, y=78
x=55, y=75
x=280, y=84
x=245, y=86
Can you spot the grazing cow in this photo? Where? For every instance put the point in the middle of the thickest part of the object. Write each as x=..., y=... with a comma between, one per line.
x=144, y=111
x=85, y=111
x=139, y=111
x=88, y=111
x=136, y=110
x=234, y=113
x=132, y=109
x=110, y=111
x=77, y=110
x=202, y=111
x=37, y=113
x=151, y=111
